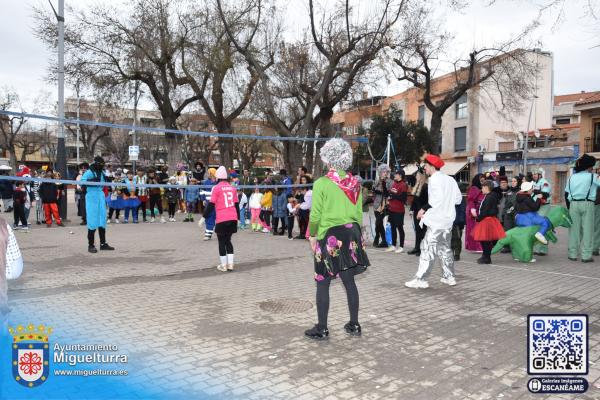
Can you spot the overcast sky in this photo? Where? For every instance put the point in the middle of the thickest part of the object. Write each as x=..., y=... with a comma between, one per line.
x=24, y=59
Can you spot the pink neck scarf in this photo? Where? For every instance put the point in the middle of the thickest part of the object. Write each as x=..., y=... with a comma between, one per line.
x=349, y=184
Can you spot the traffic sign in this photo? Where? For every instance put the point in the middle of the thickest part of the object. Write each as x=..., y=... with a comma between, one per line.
x=134, y=151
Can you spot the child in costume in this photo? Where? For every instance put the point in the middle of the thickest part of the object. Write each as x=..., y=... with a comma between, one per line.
x=488, y=230
x=95, y=205
x=254, y=204
x=526, y=208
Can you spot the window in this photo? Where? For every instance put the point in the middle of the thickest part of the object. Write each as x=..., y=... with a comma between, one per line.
x=421, y=119
x=460, y=139
x=461, y=107
x=506, y=146
x=563, y=121
x=561, y=181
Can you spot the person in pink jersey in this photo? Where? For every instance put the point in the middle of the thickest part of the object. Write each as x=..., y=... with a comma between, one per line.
x=224, y=201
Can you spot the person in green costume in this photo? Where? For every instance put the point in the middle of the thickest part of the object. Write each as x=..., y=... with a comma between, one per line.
x=522, y=239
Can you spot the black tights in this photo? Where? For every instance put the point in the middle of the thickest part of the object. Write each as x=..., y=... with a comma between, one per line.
x=397, y=222
x=419, y=232
x=225, y=245
x=155, y=201
x=323, y=297
x=487, y=248
x=172, y=207
x=379, y=228
x=101, y=233
x=141, y=207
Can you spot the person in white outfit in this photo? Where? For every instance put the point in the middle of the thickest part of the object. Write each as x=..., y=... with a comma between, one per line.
x=438, y=215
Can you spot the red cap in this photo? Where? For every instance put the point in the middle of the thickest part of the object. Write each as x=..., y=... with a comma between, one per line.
x=434, y=160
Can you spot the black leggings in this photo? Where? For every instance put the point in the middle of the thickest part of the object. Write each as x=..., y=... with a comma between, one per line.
x=487, y=248
x=276, y=224
x=323, y=297
x=115, y=211
x=172, y=207
x=155, y=201
x=290, y=225
x=397, y=222
x=101, y=233
x=379, y=228
x=141, y=207
x=225, y=245
x=19, y=214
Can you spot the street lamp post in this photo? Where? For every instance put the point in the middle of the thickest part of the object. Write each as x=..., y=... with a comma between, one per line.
x=61, y=153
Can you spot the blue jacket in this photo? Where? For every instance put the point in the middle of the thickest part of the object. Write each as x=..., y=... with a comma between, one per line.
x=287, y=181
x=191, y=194
x=280, y=205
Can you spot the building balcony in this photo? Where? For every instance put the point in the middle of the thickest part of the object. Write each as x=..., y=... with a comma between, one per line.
x=591, y=146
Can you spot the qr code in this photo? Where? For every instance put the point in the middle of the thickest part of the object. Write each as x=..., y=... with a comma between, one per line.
x=557, y=344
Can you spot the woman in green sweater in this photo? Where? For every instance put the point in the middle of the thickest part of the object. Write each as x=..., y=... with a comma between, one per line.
x=335, y=234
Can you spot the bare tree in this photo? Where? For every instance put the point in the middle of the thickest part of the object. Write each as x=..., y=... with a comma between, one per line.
x=504, y=70
x=16, y=132
x=116, y=44
x=221, y=78
x=344, y=43
x=117, y=146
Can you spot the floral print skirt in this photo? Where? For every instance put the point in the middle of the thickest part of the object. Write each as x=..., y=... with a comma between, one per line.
x=342, y=248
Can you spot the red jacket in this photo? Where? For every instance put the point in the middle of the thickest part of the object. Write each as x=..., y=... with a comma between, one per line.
x=398, y=193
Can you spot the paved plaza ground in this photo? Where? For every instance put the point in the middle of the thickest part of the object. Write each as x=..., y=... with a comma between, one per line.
x=194, y=332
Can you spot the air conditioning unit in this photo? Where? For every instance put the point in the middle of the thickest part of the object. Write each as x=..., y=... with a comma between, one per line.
x=481, y=148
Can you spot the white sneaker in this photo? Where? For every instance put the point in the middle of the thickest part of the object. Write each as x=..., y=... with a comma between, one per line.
x=417, y=284
x=390, y=249
x=117, y=221
x=222, y=268
x=230, y=268
x=206, y=238
x=541, y=238
x=162, y=220
x=108, y=221
x=399, y=250
x=449, y=281
x=265, y=230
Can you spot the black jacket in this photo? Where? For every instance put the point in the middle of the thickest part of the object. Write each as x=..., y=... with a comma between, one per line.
x=421, y=200
x=489, y=206
x=48, y=192
x=526, y=204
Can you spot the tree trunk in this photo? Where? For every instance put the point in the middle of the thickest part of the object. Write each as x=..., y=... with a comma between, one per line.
x=325, y=131
x=225, y=145
x=309, y=153
x=292, y=156
x=12, y=151
x=436, y=131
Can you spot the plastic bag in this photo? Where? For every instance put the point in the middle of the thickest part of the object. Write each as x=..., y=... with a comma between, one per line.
x=388, y=233
x=14, y=258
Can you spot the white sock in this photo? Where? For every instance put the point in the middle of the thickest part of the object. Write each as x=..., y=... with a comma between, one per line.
x=229, y=259
x=223, y=260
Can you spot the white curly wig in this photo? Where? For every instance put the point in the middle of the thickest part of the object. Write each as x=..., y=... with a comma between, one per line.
x=337, y=153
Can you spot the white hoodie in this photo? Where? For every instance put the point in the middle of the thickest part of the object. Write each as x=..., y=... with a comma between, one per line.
x=255, y=199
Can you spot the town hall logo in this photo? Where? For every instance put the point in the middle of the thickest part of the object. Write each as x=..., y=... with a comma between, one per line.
x=30, y=354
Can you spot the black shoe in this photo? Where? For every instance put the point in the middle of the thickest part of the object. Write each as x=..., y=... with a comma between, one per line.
x=589, y=260
x=106, y=246
x=505, y=250
x=413, y=251
x=382, y=245
x=300, y=237
x=38, y=222
x=572, y=259
x=537, y=253
x=317, y=333
x=456, y=258
x=353, y=329
x=92, y=249
x=83, y=223
x=375, y=243
x=484, y=260
x=596, y=253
